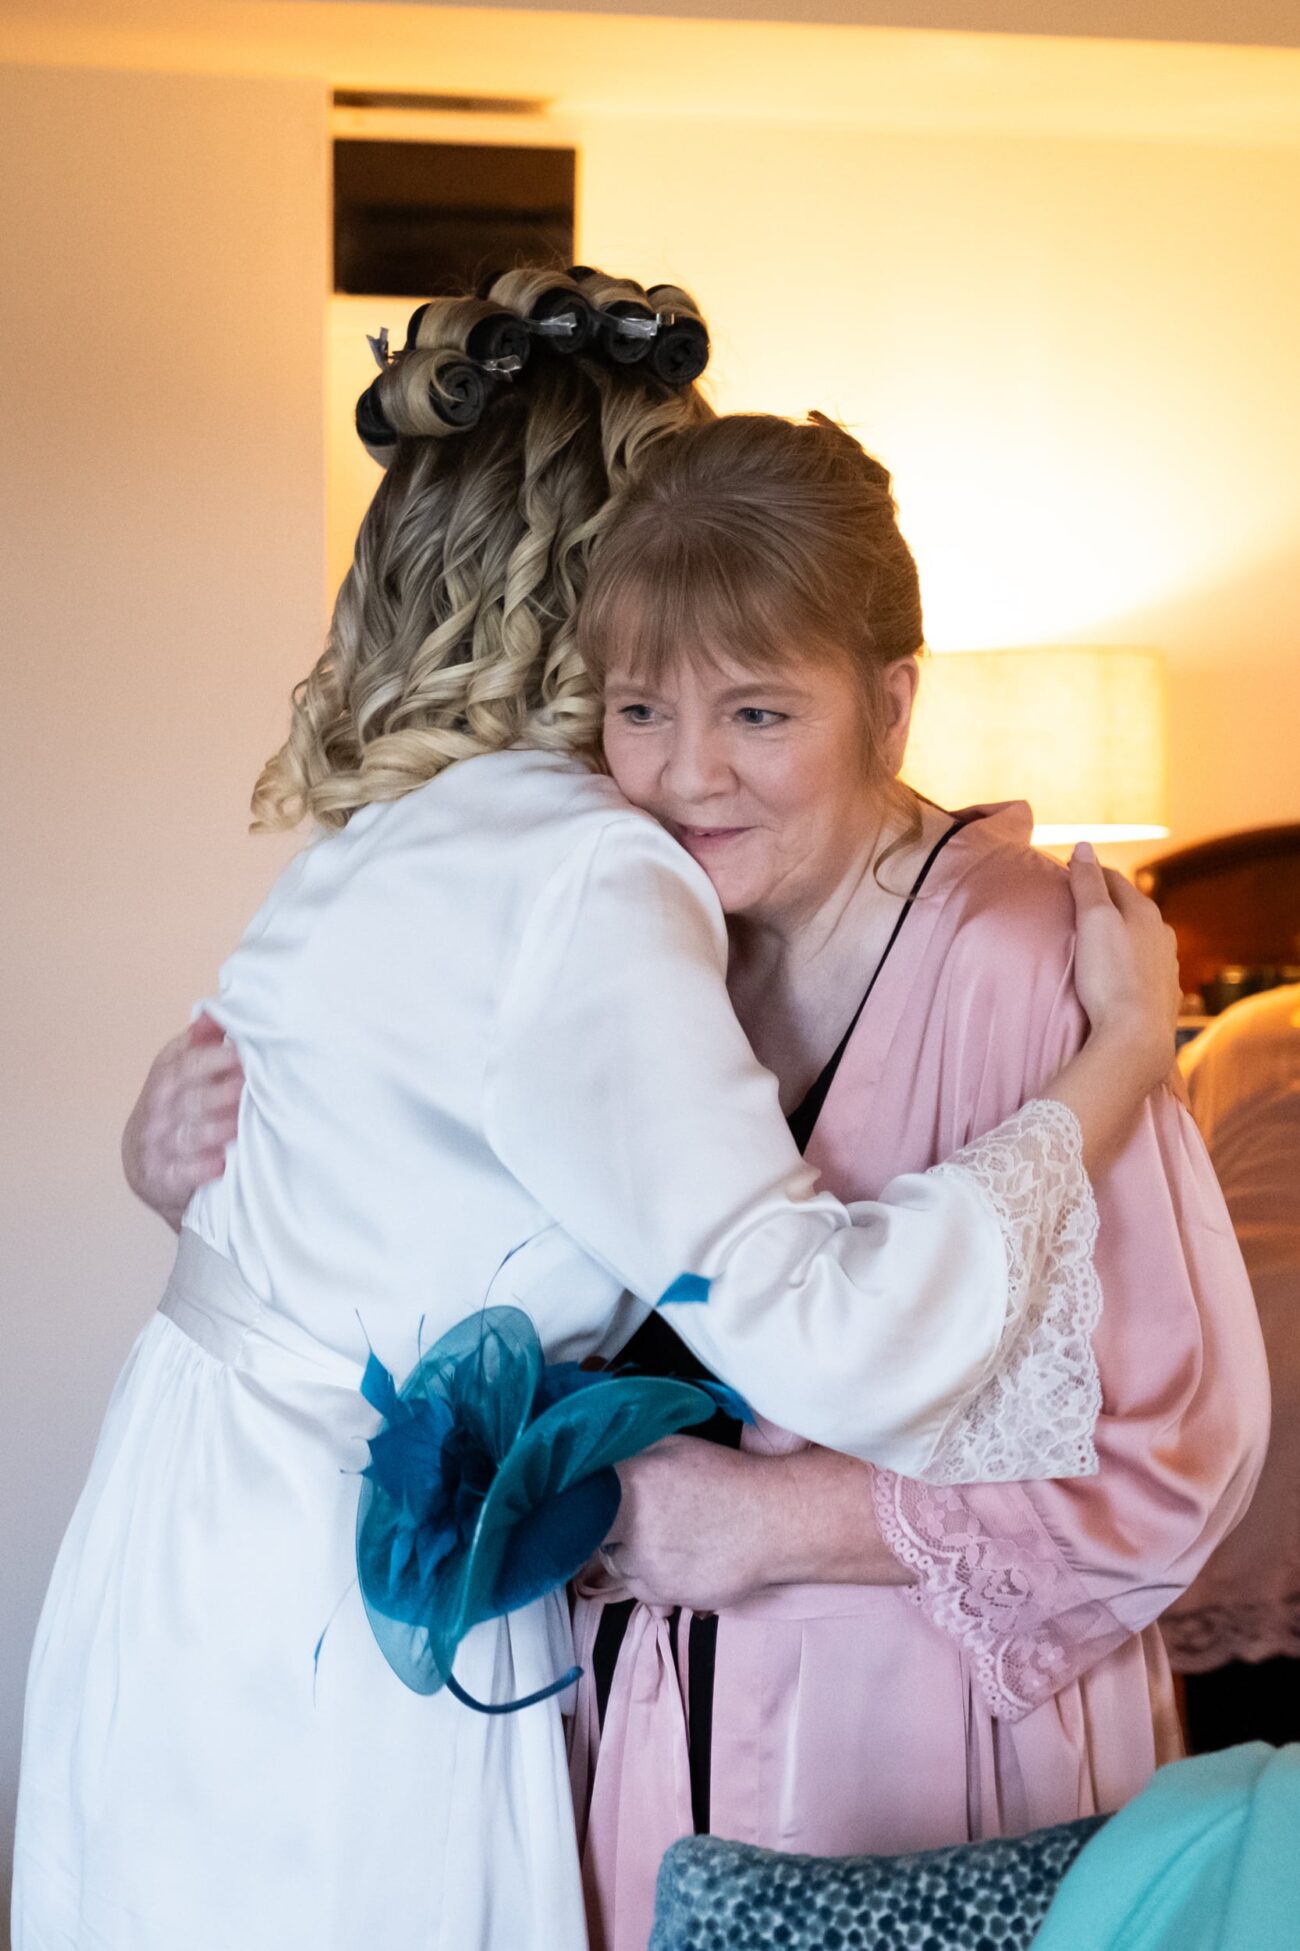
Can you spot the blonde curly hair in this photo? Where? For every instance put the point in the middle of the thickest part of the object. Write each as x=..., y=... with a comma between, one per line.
x=455, y=629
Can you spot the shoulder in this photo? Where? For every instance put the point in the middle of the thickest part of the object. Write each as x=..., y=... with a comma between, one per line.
x=587, y=865
x=1011, y=906
x=503, y=792
x=527, y=814
x=1005, y=976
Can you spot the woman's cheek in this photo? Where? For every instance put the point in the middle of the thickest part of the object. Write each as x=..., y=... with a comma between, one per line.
x=632, y=770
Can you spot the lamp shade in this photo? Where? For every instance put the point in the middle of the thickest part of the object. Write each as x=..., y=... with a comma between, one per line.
x=1079, y=733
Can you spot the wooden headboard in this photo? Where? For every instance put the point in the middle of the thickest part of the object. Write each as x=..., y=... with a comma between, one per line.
x=1234, y=900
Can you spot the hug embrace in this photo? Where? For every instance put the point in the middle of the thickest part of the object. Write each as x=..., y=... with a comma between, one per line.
x=622, y=984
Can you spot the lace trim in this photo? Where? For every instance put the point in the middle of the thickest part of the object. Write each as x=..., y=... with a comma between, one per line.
x=1198, y=1641
x=1025, y=1622
x=1035, y=1415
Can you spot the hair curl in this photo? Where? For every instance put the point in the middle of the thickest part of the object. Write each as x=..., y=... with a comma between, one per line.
x=455, y=629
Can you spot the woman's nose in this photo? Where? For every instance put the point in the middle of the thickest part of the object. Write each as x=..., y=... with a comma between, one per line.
x=697, y=767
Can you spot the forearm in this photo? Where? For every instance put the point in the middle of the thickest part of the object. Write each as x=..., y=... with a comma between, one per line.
x=1105, y=1085
x=819, y=1522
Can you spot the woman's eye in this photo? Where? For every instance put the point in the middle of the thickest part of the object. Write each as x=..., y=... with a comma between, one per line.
x=758, y=718
x=639, y=715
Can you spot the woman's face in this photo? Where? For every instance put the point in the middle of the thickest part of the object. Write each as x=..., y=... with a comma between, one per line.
x=760, y=776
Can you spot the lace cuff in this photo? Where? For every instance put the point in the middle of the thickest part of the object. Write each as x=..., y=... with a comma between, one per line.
x=1034, y=1416
x=995, y=1583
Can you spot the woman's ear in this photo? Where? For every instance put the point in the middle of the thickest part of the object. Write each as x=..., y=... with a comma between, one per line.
x=901, y=680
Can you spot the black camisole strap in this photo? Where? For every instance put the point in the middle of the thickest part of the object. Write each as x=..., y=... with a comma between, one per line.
x=806, y=1113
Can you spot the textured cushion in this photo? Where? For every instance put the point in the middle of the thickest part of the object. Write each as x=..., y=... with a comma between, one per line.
x=719, y=1896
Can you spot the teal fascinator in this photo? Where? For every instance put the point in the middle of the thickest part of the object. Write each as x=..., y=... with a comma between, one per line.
x=492, y=1482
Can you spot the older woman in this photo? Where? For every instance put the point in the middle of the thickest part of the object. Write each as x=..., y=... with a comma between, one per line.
x=791, y=1648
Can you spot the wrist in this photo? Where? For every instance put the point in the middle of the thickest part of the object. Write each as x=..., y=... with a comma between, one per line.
x=825, y=1502
x=1138, y=1051
x=770, y=1532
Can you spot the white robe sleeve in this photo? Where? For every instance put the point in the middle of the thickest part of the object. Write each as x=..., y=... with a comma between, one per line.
x=623, y=1094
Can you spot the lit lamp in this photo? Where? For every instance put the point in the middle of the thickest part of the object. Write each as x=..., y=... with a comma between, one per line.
x=1078, y=733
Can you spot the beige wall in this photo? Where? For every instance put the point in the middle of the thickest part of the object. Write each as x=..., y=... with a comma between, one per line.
x=162, y=522
x=1076, y=355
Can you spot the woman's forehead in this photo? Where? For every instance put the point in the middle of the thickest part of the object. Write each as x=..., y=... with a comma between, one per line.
x=721, y=675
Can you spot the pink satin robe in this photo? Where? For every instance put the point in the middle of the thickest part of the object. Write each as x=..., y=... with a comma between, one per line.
x=1022, y=1680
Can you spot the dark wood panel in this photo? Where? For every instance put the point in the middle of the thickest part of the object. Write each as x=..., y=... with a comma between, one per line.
x=1233, y=902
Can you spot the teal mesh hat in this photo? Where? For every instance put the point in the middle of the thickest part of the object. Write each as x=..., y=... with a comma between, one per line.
x=491, y=1482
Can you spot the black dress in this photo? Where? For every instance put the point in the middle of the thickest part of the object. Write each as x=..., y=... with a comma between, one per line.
x=656, y=1350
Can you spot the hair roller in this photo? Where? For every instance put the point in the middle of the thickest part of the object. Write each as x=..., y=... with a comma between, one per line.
x=500, y=340
x=414, y=323
x=630, y=329
x=564, y=319
x=550, y=304
x=476, y=327
x=680, y=349
x=458, y=393
x=440, y=392
x=373, y=425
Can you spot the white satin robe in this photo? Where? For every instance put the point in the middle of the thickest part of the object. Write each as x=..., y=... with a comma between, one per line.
x=489, y=1019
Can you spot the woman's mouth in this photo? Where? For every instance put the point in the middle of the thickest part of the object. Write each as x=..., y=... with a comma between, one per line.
x=708, y=837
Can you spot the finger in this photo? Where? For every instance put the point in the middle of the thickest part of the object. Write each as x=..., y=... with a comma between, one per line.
x=1125, y=896
x=208, y=1065
x=1087, y=881
x=217, y=1099
x=204, y=1168
x=212, y=1135
x=189, y=1119
x=204, y=1030
x=181, y=1179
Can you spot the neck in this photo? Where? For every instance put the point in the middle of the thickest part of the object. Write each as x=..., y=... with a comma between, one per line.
x=797, y=974
x=806, y=931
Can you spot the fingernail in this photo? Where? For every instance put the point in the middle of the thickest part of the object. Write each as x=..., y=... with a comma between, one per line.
x=1083, y=850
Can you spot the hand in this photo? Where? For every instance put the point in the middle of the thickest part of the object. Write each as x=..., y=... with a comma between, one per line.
x=1125, y=969
x=176, y=1137
x=705, y=1527
x=689, y=1530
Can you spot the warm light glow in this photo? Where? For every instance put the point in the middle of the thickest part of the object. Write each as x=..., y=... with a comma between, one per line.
x=1079, y=733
